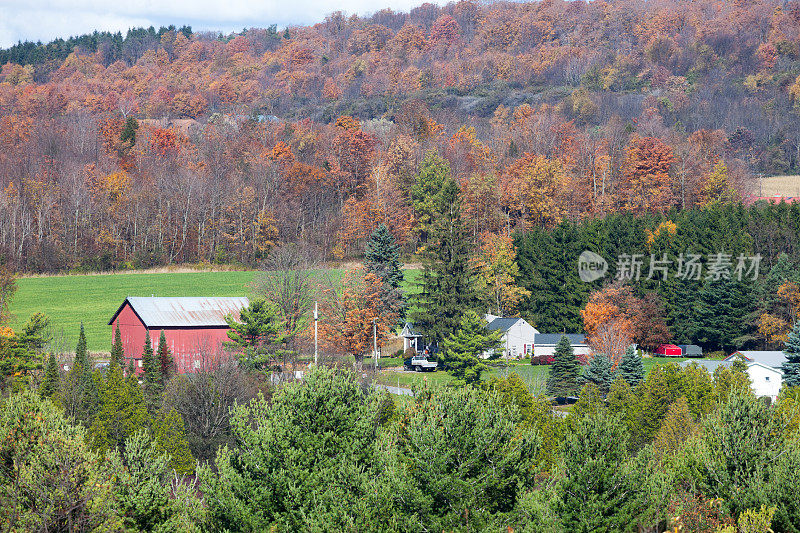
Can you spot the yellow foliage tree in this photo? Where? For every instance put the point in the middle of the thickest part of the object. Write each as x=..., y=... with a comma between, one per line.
x=497, y=265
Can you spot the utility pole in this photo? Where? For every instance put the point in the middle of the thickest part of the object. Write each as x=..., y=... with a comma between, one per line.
x=316, y=317
x=375, y=341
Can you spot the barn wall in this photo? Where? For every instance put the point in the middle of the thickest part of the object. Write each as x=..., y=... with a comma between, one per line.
x=192, y=348
x=132, y=332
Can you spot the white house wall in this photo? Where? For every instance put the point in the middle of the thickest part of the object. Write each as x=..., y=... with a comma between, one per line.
x=545, y=350
x=516, y=338
x=765, y=381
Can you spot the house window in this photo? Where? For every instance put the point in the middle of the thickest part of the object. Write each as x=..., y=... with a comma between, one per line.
x=767, y=378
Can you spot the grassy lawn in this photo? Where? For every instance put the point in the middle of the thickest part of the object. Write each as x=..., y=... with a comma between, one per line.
x=92, y=299
x=534, y=376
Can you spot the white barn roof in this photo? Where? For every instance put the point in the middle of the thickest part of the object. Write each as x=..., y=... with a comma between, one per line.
x=183, y=311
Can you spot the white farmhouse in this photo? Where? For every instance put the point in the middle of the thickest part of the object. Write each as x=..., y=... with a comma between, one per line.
x=765, y=380
x=545, y=345
x=518, y=336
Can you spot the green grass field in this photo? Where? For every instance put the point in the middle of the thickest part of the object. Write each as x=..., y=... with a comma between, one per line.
x=92, y=299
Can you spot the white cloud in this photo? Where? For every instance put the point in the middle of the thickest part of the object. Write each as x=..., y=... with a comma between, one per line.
x=47, y=19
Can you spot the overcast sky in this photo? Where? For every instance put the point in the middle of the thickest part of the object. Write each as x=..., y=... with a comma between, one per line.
x=47, y=19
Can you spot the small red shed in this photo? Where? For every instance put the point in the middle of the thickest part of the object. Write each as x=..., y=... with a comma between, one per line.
x=669, y=350
x=195, y=328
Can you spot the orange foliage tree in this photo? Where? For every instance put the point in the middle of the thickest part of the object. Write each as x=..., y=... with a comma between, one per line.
x=646, y=175
x=348, y=311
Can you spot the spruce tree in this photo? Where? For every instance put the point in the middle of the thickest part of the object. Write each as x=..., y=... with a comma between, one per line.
x=152, y=375
x=461, y=351
x=791, y=367
x=165, y=360
x=117, y=352
x=446, y=285
x=600, y=373
x=562, y=380
x=84, y=376
x=631, y=368
x=81, y=353
x=382, y=257
x=52, y=379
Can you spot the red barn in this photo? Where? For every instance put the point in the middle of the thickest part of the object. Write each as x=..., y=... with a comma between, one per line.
x=669, y=350
x=195, y=328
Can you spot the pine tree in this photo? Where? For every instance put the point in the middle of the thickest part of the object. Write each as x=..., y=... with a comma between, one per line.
x=165, y=360
x=562, y=380
x=464, y=347
x=791, y=367
x=382, y=257
x=600, y=373
x=152, y=375
x=631, y=368
x=446, y=286
x=52, y=379
x=170, y=438
x=117, y=352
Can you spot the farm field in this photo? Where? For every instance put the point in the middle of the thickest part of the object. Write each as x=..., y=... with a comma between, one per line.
x=93, y=298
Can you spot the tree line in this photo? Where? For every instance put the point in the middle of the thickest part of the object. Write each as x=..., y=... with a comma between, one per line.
x=676, y=450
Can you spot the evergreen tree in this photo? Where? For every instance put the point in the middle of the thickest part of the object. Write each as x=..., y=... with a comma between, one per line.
x=83, y=377
x=122, y=412
x=562, y=380
x=464, y=347
x=165, y=360
x=52, y=379
x=117, y=352
x=81, y=353
x=446, y=285
x=631, y=368
x=152, y=375
x=721, y=310
x=791, y=368
x=382, y=256
x=426, y=193
x=170, y=438
x=600, y=373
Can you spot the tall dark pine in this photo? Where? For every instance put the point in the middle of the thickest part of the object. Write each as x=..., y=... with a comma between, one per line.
x=631, y=368
x=446, y=285
x=791, y=368
x=117, y=352
x=152, y=375
x=382, y=258
x=89, y=394
x=562, y=380
x=165, y=360
x=51, y=384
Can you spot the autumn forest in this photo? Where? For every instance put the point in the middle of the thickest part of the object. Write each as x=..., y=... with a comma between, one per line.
x=173, y=146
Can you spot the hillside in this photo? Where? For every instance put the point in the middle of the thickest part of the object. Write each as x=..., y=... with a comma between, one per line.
x=176, y=146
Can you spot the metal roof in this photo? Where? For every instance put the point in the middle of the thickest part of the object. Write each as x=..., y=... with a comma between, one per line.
x=709, y=364
x=767, y=358
x=184, y=311
x=502, y=324
x=553, y=338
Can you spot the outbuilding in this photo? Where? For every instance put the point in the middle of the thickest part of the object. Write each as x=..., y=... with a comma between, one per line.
x=669, y=350
x=194, y=327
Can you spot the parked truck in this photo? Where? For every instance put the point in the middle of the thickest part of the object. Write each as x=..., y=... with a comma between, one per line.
x=420, y=363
